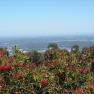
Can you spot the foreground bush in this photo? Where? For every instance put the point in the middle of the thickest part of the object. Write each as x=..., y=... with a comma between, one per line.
x=56, y=71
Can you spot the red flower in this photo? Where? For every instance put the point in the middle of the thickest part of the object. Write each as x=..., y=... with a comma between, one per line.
x=33, y=65
x=20, y=75
x=5, y=67
x=44, y=82
x=79, y=91
x=82, y=70
x=17, y=92
x=91, y=86
x=1, y=54
x=21, y=65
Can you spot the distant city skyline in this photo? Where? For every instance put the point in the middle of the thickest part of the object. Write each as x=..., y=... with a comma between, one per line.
x=32, y=18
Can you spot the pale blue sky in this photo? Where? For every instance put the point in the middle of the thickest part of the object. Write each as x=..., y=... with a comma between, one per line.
x=25, y=18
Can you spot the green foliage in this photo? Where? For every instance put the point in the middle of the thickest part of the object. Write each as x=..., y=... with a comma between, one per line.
x=53, y=46
x=75, y=48
x=37, y=57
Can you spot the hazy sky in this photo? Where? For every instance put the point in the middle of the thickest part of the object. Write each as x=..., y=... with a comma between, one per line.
x=46, y=17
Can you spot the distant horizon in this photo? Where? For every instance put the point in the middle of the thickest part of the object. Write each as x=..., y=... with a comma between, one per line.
x=41, y=43
x=51, y=36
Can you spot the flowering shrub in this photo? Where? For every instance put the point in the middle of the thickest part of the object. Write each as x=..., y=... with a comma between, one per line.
x=44, y=82
x=5, y=67
x=55, y=71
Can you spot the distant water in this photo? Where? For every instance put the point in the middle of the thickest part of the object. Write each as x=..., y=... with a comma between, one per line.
x=41, y=43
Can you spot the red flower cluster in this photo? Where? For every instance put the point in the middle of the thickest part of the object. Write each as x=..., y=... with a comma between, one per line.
x=33, y=65
x=5, y=67
x=1, y=54
x=91, y=86
x=82, y=70
x=21, y=65
x=79, y=91
x=17, y=92
x=20, y=75
x=44, y=82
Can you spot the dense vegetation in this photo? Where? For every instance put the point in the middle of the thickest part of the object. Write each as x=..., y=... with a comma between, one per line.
x=55, y=71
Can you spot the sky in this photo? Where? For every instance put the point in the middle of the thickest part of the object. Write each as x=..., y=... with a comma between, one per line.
x=29, y=18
